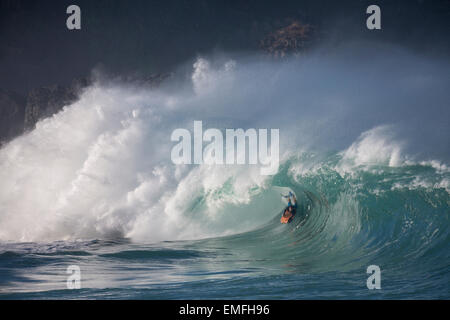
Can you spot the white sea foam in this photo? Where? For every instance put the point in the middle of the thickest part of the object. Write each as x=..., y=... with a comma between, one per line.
x=376, y=146
x=101, y=167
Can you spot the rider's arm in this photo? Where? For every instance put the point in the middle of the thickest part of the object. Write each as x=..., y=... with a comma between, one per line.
x=294, y=200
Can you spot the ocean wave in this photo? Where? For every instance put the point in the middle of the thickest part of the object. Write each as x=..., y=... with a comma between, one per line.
x=101, y=168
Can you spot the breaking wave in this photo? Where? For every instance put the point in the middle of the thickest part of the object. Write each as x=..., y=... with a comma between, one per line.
x=101, y=167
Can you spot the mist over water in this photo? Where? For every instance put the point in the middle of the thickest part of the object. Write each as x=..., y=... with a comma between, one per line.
x=101, y=168
x=364, y=144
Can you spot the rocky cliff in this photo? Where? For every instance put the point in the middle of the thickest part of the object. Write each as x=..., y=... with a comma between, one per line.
x=19, y=114
x=293, y=38
x=46, y=101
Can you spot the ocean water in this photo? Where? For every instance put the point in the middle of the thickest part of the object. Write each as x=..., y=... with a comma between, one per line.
x=343, y=225
x=94, y=187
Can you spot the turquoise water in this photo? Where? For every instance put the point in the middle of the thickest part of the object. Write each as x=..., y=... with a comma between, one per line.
x=363, y=144
x=395, y=217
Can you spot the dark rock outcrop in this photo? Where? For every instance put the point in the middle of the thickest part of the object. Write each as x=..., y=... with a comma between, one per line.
x=18, y=114
x=46, y=101
x=292, y=39
x=12, y=112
